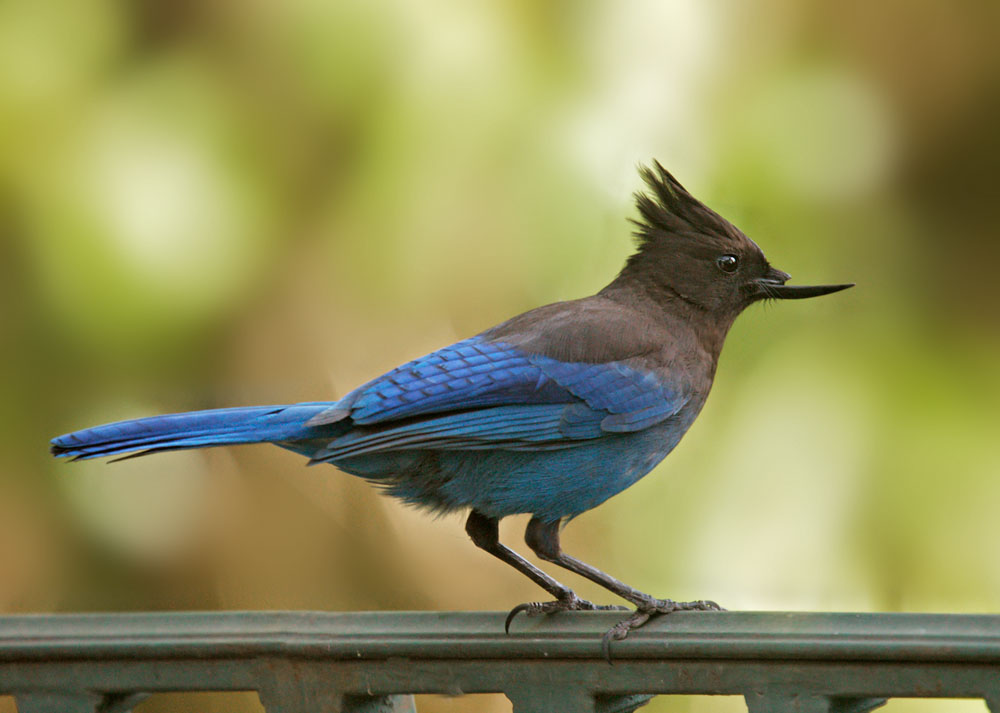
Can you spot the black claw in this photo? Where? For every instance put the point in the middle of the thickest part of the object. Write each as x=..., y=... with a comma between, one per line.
x=615, y=633
x=606, y=646
x=526, y=607
x=709, y=605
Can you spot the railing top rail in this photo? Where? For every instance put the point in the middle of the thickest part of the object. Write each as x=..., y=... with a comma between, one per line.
x=750, y=636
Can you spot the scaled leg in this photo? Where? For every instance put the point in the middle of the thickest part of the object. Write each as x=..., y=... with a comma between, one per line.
x=485, y=534
x=543, y=539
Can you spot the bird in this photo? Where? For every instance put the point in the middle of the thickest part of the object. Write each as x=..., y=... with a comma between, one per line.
x=548, y=414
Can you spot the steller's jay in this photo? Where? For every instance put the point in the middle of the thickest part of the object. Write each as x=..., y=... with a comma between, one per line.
x=550, y=413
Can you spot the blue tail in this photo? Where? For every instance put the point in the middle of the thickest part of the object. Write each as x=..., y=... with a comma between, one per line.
x=196, y=429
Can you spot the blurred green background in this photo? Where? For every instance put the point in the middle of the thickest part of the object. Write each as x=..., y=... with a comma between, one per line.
x=223, y=202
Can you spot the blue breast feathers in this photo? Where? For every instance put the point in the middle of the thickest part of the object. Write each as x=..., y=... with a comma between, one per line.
x=478, y=394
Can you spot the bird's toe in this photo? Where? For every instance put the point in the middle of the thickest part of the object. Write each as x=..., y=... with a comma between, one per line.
x=669, y=606
x=573, y=603
x=620, y=630
x=646, y=610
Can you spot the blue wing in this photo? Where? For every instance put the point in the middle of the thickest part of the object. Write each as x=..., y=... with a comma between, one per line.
x=478, y=394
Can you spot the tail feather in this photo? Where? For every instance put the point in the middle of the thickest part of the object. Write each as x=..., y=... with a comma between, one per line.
x=195, y=429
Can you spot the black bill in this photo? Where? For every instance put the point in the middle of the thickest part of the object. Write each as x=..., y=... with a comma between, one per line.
x=773, y=286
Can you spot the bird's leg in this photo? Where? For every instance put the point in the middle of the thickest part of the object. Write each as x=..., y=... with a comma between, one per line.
x=485, y=534
x=543, y=539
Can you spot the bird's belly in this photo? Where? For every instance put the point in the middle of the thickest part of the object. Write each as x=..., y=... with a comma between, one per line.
x=551, y=485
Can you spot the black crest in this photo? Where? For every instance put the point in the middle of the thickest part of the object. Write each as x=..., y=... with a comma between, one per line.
x=668, y=210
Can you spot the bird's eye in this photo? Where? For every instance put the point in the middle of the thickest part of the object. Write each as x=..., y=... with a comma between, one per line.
x=728, y=263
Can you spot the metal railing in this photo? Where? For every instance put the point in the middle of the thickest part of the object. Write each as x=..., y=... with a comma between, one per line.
x=368, y=662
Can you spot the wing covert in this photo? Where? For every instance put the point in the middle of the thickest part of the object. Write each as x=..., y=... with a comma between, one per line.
x=481, y=394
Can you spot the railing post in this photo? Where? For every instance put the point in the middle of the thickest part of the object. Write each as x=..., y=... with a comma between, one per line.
x=622, y=704
x=857, y=705
x=545, y=699
x=293, y=687
x=781, y=702
x=542, y=699
x=299, y=697
x=379, y=704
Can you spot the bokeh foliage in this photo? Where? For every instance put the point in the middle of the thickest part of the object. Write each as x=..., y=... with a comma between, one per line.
x=210, y=203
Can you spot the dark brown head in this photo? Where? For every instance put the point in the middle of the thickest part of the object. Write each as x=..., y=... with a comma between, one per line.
x=690, y=252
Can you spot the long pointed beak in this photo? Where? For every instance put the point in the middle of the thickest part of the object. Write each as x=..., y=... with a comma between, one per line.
x=773, y=285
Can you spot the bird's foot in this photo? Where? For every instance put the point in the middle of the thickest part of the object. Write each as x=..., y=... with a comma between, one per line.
x=570, y=603
x=646, y=610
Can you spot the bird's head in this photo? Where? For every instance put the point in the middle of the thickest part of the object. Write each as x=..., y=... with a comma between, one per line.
x=691, y=253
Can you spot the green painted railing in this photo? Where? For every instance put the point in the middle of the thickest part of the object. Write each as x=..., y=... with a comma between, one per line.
x=330, y=663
